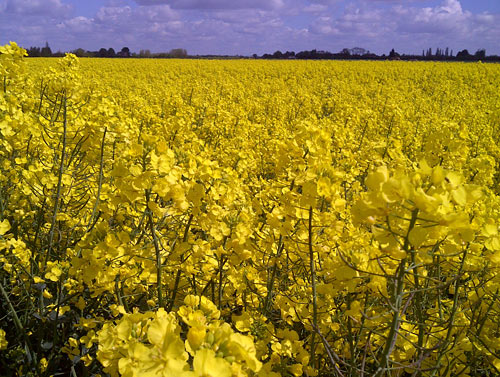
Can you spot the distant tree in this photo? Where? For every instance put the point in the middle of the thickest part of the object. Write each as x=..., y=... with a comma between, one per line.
x=124, y=53
x=145, y=53
x=345, y=52
x=255, y=56
x=46, y=51
x=447, y=52
x=278, y=55
x=358, y=51
x=178, y=53
x=111, y=53
x=393, y=54
x=102, y=53
x=480, y=54
x=464, y=54
x=80, y=52
x=34, y=52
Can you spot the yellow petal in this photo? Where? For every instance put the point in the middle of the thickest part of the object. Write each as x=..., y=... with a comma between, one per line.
x=4, y=227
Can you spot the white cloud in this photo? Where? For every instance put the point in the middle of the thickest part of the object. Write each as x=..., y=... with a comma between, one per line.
x=315, y=8
x=158, y=13
x=113, y=15
x=141, y=21
x=446, y=18
x=53, y=8
x=324, y=2
x=355, y=22
x=407, y=27
x=216, y=4
x=78, y=24
x=450, y=7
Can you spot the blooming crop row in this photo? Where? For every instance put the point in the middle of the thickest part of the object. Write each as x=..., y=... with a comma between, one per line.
x=248, y=218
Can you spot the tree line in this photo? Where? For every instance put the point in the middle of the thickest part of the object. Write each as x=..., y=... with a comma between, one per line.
x=125, y=52
x=360, y=53
x=355, y=53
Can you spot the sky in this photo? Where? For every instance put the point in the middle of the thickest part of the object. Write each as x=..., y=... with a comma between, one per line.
x=245, y=27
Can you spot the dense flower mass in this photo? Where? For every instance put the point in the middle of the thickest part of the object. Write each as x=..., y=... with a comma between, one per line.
x=248, y=218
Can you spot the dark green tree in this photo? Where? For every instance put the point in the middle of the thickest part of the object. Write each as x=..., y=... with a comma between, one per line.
x=34, y=52
x=480, y=54
x=102, y=53
x=464, y=54
x=393, y=54
x=178, y=53
x=124, y=53
x=80, y=52
x=46, y=51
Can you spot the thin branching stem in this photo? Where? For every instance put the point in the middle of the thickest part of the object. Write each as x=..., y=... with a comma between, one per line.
x=99, y=183
x=179, y=271
x=312, y=267
x=159, y=265
x=60, y=174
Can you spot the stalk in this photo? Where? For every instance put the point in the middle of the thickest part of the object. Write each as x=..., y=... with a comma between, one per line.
x=157, y=252
x=270, y=285
x=397, y=305
x=453, y=313
x=17, y=322
x=59, y=180
x=99, y=187
x=313, y=284
x=178, y=275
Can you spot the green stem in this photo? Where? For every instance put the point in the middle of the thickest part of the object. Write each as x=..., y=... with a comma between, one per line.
x=397, y=304
x=2, y=209
x=59, y=180
x=270, y=285
x=99, y=187
x=418, y=303
x=312, y=267
x=221, y=272
x=156, y=244
x=454, y=309
x=17, y=321
x=178, y=275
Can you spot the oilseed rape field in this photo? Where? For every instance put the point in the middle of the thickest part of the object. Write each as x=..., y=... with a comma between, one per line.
x=248, y=218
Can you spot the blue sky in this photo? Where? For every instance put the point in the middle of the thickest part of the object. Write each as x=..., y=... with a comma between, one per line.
x=253, y=26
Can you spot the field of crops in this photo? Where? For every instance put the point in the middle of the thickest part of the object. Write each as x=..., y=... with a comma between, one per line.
x=248, y=218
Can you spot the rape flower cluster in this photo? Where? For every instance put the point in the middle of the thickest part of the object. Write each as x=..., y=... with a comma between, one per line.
x=216, y=349
x=248, y=218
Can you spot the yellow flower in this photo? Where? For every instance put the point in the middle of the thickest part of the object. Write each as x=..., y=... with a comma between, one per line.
x=243, y=347
x=3, y=341
x=205, y=364
x=4, y=227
